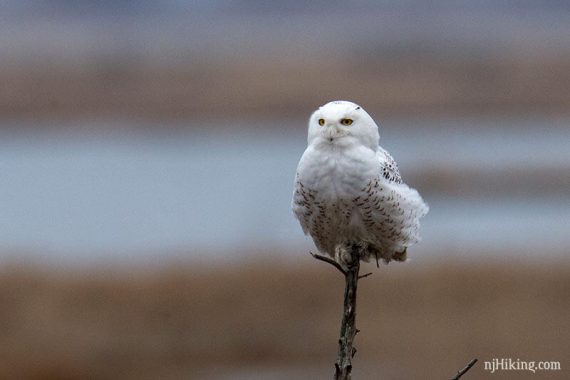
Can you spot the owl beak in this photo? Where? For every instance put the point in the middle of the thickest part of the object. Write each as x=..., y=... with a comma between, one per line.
x=333, y=131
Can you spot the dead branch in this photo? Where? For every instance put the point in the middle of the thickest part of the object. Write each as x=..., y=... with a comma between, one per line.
x=350, y=269
x=464, y=370
x=330, y=261
x=346, y=351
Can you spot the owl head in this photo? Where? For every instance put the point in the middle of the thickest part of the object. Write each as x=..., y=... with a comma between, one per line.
x=343, y=123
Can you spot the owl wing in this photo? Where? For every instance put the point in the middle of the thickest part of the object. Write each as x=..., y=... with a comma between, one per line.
x=389, y=168
x=391, y=211
x=303, y=204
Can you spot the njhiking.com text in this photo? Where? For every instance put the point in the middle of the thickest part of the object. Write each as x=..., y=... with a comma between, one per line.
x=508, y=364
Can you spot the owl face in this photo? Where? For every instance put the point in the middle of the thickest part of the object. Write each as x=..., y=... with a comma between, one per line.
x=342, y=123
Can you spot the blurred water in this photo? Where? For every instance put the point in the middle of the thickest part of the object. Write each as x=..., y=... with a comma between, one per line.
x=134, y=194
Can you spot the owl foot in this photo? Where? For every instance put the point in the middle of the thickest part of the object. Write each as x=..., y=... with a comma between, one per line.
x=348, y=256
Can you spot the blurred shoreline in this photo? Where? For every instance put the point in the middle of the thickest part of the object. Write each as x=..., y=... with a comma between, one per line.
x=396, y=87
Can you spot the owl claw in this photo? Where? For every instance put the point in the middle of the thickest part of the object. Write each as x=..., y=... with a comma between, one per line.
x=348, y=256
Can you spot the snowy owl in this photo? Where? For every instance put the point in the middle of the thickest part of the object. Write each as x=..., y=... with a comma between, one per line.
x=348, y=190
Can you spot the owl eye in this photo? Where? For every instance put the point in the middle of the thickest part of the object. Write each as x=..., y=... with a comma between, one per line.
x=321, y=121
x=346, y=121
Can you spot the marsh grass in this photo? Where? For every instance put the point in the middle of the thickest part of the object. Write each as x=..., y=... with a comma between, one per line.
x=279, y=320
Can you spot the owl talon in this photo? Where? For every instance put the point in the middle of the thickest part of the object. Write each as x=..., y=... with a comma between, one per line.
x=348, y=256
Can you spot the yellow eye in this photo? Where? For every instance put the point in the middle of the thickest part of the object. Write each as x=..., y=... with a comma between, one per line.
x=346, y=121
x=321, y=121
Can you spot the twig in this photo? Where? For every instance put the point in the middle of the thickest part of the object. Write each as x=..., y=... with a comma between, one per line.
x=464, y=370
x=330, y=261
x=346, y=351
x=365, y=275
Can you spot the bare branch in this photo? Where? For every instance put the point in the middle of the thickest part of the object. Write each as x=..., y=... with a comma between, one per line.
x=350, y=268
x=464, y=370
x=330, y=261
x=348, y=330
